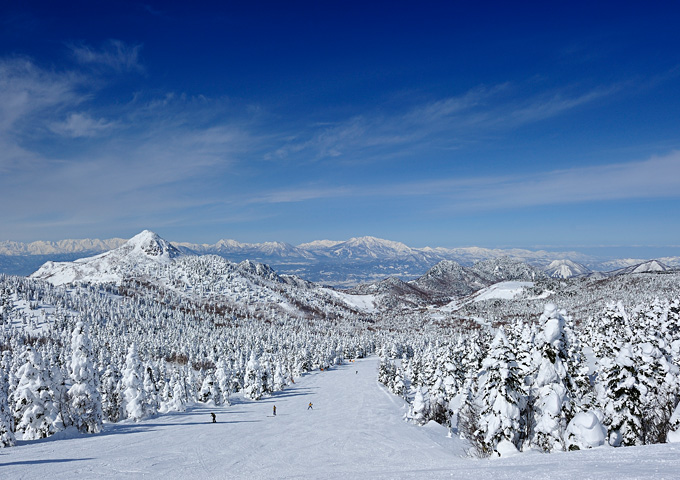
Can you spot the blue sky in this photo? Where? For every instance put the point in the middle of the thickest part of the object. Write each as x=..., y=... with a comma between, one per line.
x=441, y=124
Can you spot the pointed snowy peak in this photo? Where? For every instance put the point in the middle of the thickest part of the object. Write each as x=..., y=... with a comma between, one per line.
x=142, y=254
x=370, y=247
x=566, y=269
x=259, y=269
x=150, y=244
x=651, y=266
x=229, y=244
x=506, y=268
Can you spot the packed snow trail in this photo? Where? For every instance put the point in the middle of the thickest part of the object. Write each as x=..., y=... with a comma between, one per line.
x=355, y=431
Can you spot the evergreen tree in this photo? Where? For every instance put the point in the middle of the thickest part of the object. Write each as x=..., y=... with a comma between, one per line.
x=85, y=400
x=673, y=435
x=133, y=386
x=623, y=411
x=419, y=410
x=209, y=390
x=34, y=410
x=224, y=381
x=279, y=377
x=252, y=387
x=111, y=395
x=151, y=403
x=553, y=407
x=6, y=422
x=177, y=401
x=502, y=398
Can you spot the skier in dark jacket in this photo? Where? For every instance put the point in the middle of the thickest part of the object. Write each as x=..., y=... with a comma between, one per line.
x=213, y=417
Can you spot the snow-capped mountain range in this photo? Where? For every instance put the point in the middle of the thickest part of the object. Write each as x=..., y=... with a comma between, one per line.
x=247, y=289
x=339, y=263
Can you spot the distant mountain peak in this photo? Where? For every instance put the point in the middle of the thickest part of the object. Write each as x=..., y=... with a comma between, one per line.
x=151, y=244
x=319, y=244
x=644, y=267
x=368, y=241
x=565, y=269
x=144, y=251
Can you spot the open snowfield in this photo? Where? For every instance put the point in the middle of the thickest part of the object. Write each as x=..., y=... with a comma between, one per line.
x=354, y=431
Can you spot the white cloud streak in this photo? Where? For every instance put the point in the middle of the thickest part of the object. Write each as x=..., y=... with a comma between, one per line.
x=446, y=123
x=656, y=177
x=81, y=125
x=113, y=54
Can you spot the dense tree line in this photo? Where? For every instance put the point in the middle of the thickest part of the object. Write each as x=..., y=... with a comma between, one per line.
x=548, y=385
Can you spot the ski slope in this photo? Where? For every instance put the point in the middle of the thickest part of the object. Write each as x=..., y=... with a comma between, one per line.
x=355, y=431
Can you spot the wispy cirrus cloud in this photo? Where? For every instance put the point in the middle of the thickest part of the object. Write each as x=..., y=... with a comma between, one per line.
x=443, y=123
x=656, y=177
x=113, y=54
x=26, y=89
x=78, y=124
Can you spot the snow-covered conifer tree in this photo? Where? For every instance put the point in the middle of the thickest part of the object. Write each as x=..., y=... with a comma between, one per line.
x=112, y=397
x=623, y=411
x=419, y=410
x=151, y=404
x=502, y=398
x=34, y=410
x=279, y=377
x=133, y=385
x=85, y=400
x=398, y=386
x=6, y=421
x=553, y=408
x=209, y=390
x=224, y=381
x=252, y=386
x=177, y=400
x=673, y=435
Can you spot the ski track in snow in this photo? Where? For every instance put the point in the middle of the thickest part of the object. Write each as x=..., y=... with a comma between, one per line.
x=355, y=431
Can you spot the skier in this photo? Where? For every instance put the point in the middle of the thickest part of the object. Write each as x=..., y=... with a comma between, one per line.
x=310, y=406
x=274, y=410
x=213, y=417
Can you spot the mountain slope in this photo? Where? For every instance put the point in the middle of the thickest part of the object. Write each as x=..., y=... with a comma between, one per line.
x=449, y=279
x=644, y=267
x=147, y=262
x=142, y=252
x=566, y=269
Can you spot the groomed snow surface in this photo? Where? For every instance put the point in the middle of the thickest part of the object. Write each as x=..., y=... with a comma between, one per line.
x=355, y=431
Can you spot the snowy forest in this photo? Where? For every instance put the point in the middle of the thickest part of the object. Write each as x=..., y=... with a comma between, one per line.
x=564, y=365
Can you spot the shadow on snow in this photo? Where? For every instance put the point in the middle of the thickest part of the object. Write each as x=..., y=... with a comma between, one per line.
x=40, y=462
